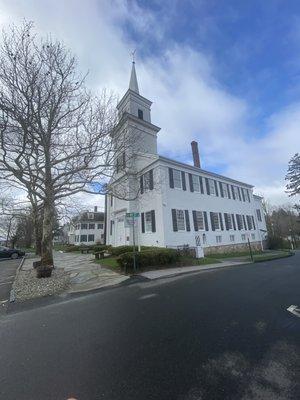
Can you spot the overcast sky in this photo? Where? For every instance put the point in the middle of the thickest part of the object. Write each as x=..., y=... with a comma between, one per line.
x=222, y=72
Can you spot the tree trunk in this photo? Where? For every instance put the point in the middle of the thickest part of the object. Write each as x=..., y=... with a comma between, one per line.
x=47, y=240
x=37, y=224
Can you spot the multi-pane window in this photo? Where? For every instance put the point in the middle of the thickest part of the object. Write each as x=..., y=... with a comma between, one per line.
x=148, y=221
x=236, y=192
x=121, y=162
x=84, y=226
x=239, y=221
x=253, y=236
x=146, y=181
x=258, y=213
x=228, y=221
x=100, y=226
x=225, y=190
x=243, y=237
x=180, y=220
x=91, y=238
x=216, y=220
x=91, y=226
x=219, y=239
x=196, y=183
x=232, y=238
x=177, y=179
x=249, y=222
x=90, y=216
x=83, y=238
x=211, y=184
x=200, y=219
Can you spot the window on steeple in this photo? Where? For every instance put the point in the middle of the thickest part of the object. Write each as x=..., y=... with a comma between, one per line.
x=140, y=114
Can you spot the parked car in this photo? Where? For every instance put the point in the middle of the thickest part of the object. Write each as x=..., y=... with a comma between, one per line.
x=5, y=252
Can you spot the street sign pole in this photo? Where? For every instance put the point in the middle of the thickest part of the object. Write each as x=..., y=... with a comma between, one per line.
x=133, y=237
x=251, y=255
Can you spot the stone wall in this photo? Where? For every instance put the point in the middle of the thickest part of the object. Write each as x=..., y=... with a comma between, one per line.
x=231, y=248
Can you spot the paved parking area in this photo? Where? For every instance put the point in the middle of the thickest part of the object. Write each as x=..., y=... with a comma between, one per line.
x=7, y=274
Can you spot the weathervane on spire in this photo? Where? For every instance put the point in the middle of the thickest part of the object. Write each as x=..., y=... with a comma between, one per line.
x=133, y=55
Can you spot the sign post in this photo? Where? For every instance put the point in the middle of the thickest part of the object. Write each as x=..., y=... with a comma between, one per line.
x=250, y=249
x=130, y=220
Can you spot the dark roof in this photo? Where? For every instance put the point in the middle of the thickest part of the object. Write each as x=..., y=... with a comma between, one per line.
x=97, y=217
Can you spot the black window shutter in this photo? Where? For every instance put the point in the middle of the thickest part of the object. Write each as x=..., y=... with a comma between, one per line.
x=233, y=221
x=171, y=178
x=249, y=222
x=123, y=159
x=226, y=221
x=216, y=188
x=143, y=222
x=239, y=192
x=151, y=179
x=228, y=191
x=221, y=221
x=142, y=184
x=191, y=183
x=232, y=191
x=187, y=220
x=183, y=180
x=205, y=220
x=212, y=221
x=201, y=184
x=238, y=221
x=253, y=222
x=244, y=220
x=153, y=221
x=174, y=220
x=207, y=186
x=195, y=220
x=221, y=189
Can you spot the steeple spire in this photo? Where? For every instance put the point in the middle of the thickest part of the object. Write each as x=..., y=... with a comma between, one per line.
x=133, y=84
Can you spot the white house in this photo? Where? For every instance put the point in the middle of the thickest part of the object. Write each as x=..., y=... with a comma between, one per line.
x=87, y=228
x=179, y=204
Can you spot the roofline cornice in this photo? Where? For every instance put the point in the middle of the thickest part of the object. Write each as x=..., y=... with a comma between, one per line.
x=134, y=94
x=194, y=169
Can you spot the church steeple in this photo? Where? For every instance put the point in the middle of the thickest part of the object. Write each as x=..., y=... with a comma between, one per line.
x=133, y=84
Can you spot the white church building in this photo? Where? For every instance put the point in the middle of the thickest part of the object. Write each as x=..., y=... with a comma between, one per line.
x=177, y=204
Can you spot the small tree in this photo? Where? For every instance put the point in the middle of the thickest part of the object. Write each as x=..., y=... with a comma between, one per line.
x=293, y=176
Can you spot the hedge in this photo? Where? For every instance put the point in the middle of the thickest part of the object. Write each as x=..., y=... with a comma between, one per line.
x=146, y=258
x=277, y=242
x=116, y=251
x=101, y=247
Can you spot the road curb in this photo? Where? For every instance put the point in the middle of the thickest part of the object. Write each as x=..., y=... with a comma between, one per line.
x=12, y=296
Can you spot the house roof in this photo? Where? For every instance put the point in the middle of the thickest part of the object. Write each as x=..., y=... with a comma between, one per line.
x=97, y=217
x=196, y=169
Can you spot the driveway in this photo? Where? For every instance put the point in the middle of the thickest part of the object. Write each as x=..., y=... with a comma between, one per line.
x=7, y=274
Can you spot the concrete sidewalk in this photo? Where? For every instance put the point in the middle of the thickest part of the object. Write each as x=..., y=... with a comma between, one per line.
x=162, y=273
x=73, y=273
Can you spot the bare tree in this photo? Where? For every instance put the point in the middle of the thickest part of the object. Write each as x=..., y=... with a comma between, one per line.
x=55, y=136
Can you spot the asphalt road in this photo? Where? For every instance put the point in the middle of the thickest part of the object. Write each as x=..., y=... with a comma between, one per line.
x=7, y=275
x=222, y=334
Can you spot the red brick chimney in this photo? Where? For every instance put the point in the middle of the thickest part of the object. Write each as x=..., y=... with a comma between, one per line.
x=195, y=152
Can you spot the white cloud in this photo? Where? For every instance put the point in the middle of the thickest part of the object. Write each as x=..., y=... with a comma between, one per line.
x=188, y=101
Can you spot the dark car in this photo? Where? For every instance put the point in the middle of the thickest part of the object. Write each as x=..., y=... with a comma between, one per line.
x=5, y=252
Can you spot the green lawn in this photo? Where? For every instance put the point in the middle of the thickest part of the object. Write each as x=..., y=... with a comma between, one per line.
x=234, y=254
x=111, y=263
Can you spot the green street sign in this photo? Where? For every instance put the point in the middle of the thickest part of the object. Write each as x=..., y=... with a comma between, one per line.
x=132, y=215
